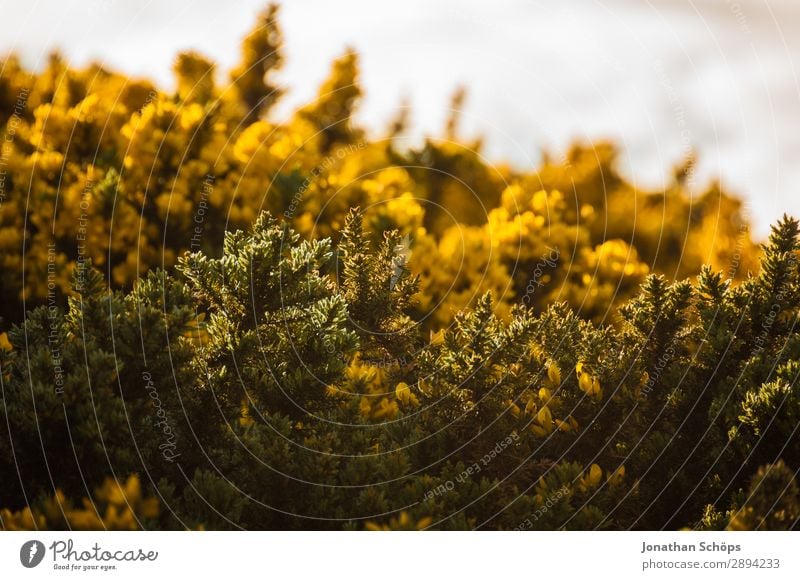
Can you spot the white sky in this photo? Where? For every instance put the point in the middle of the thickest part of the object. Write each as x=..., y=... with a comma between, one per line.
x=658, y=76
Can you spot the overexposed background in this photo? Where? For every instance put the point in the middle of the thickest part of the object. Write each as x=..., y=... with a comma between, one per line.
x=662, y=77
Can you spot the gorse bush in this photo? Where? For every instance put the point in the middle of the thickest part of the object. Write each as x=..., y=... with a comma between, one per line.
x=99, y=166
x=285, y=385
x=238, y=323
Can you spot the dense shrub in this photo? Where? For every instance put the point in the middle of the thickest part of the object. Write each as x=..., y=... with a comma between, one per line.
x=285, y=385
x=200, y=331
x=97, y=165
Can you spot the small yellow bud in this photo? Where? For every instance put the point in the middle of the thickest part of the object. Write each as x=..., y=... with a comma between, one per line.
x=545, y=418
x=385, y=408
x=554, y=374
x=617, y=477
x=563, y=426
x=545, y=394
x=538, y=431
x=585, y=383
x=402, y=392
x=405, y=395
x=364, y=406
x=424, y=522
x=594, y=476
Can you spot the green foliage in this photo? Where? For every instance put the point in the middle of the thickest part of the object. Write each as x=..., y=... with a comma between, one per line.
x=286, y=385
x=276, y=333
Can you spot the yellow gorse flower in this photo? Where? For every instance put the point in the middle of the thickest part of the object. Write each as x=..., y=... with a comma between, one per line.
x=385, y=409
x=554, y=374
x=567, y=425
x=593, y=476
x=544, y=417
x=587, y=383
x=403, y=522
x=405, y=395
x=617, y=476
x=115, y=506
x=563, y=425
x=437, y=337
x=543, y=422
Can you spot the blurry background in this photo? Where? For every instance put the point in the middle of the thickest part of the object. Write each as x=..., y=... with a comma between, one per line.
x=661, y=77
